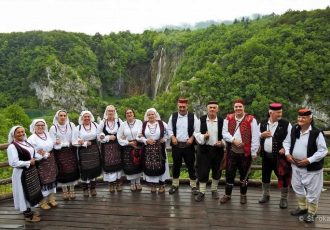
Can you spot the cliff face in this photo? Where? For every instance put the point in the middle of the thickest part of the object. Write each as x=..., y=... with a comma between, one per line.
x=61, y=87
x=150, y=78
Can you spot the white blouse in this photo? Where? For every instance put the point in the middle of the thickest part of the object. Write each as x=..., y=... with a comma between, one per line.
x=86, y=134
x=112, y=129
x=63, y=132
x=152, y=131
x=38, y=143
x=13, y=159
x=128, y=132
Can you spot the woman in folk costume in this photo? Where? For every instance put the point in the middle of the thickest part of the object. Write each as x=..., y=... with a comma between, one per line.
x=62, y=134
x=153, y=134
x=131, y=151
x=110, y=149
x=47, y=169
x=88, y=152
x=25, y=179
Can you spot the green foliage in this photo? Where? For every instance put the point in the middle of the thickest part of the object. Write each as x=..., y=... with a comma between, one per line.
x=139, y=104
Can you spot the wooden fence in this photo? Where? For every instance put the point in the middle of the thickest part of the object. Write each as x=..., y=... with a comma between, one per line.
x=5, y=183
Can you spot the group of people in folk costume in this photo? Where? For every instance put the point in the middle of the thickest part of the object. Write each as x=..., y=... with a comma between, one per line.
x=134, y=148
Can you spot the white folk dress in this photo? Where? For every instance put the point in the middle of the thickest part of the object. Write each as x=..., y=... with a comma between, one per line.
x=86, y=135
x=18, y=193
x=46, y=145
x=128, y=133
x=113, y=176
x=66, y=134
x=155, y=135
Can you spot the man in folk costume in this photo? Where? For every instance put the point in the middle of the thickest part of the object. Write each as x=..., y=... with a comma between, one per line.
x=273, y=132
x=240, y=131
x=181, y=127
x=306, y=150
x=210, y=150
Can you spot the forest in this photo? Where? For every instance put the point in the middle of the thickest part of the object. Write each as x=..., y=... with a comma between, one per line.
x=282, y=58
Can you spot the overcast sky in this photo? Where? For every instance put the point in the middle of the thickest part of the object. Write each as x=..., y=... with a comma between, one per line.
x=105, y=16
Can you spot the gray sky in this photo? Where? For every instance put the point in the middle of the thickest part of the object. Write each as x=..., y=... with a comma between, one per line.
x=105, y=16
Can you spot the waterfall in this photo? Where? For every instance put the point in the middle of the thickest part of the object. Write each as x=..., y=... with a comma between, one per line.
x=159, y=73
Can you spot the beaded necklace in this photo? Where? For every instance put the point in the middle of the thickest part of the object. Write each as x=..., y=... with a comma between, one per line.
x=112, y=126
x=42, y=138
x=131, y=126
x=88, y=130
x=152, y=128
x=25, y=143
x=62, y=131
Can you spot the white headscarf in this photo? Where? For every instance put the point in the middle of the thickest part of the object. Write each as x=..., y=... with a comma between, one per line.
x=11, y=134
x=33, y=125
x=55, y=119
x=153, y=110
x=105, y=115
x=80, y=120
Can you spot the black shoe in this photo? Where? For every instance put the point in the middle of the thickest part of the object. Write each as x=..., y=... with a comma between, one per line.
x=283, y=203
x=309, y=217
x=225, y=199
x=264, y=199
x=194, y=191
x=173, y=189
x=298, y=212
x=215, y=195
x=200, y=197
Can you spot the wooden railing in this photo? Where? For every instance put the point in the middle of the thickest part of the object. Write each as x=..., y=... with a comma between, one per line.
x=8, y=181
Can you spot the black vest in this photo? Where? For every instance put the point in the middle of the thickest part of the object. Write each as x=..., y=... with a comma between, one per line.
x=105, y=128
x=311, y=146
x=23, y=154
x=191, y=121
x=204, y=126
x=278, y=137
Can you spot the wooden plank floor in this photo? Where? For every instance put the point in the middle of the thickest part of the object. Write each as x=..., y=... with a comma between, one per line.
x=127, y=210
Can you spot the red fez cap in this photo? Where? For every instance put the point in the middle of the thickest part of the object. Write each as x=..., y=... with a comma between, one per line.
x=304, y=112
x=275, y=106
x=183, y=100
x=239, y=100
x=212, y=103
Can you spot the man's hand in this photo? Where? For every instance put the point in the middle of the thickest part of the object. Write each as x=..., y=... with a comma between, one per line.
x=206, y=136
x=302, y=163
x=290, y=159
x=266, y=134
x=282, y=151
x=190, y=140
x=237, y=143
x=174, y=140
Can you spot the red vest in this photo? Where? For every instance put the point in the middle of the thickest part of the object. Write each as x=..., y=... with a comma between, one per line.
x=244, y=128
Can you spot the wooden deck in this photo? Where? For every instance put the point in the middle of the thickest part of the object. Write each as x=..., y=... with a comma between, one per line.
x=127, y=210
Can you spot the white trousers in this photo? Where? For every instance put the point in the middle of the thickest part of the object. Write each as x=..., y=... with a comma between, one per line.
x=307, y=183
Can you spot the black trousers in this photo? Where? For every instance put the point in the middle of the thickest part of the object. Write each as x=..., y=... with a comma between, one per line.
x=188, y=155
x=242, y=163
x=270, y=164
x=209, y=158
